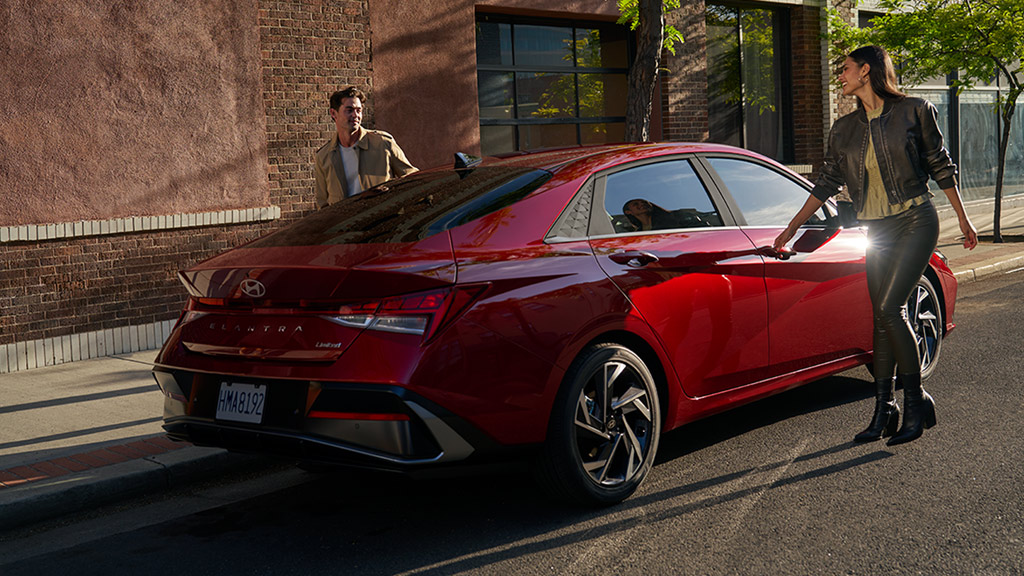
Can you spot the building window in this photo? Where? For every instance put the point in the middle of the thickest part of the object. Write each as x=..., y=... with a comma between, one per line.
x=543, y=84
x=748, y=79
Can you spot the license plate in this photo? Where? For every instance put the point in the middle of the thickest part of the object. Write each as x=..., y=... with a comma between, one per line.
x=241, y=402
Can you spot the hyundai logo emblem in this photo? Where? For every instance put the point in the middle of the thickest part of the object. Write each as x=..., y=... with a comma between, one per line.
x=253, y=288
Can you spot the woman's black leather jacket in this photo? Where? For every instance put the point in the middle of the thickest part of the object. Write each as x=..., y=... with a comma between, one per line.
x=908, y=145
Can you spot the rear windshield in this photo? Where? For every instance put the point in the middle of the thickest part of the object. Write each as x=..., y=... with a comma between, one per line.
x=412, y=208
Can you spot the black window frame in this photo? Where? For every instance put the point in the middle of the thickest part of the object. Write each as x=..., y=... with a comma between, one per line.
x=515, y=122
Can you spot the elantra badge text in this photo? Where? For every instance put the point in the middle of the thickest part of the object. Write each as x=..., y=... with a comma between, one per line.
x=254, y=328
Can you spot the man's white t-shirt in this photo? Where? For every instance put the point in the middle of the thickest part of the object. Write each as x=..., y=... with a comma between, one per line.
x=350, y=161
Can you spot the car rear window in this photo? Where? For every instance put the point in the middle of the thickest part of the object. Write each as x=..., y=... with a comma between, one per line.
x=412, y=208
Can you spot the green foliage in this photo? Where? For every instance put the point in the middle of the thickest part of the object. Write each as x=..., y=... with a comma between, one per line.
x=629, y=11
x=979, y=38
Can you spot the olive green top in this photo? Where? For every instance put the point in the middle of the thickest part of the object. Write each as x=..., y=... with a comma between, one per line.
x=876, y=201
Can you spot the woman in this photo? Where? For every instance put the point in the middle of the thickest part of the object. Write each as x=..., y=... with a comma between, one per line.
x=645, y=215
x=884, y=153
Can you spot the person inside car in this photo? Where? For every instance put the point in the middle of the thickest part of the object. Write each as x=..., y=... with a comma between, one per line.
x=645, y=215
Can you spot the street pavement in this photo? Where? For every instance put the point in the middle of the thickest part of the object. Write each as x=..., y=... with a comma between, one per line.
x=84, y=434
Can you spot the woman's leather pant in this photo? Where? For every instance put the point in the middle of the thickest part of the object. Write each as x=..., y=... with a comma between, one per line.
x=899, y=248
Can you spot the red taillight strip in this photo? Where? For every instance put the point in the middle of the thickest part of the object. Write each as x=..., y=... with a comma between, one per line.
x=357, y=416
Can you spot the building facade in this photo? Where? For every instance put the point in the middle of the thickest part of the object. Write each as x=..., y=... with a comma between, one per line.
x=137, y=139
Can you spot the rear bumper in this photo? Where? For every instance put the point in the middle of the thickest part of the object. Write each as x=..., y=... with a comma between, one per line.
x=358, y=425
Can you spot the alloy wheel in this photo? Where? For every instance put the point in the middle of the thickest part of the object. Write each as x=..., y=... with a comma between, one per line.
x=925, y=317
x=614, y=424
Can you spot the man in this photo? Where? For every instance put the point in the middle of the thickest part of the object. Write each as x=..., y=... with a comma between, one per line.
x=355, y=158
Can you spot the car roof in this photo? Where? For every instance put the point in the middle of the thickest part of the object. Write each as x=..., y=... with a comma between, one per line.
x=604, y=155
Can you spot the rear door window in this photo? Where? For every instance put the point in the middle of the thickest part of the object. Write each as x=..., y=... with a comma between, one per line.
x=659, y=196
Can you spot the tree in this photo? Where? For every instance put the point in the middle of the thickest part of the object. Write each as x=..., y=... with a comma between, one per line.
x=648, y=18
x=981, y=40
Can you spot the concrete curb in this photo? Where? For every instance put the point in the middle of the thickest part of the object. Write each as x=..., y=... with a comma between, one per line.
x=61, y=495
x=975, y=274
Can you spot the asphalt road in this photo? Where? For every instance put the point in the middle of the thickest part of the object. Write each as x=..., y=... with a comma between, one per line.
x=776, y=487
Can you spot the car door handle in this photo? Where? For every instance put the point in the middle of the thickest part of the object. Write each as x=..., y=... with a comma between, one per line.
x=634, y=258
x=771, y=252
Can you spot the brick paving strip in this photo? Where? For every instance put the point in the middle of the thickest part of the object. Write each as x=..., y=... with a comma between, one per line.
x=19, y=475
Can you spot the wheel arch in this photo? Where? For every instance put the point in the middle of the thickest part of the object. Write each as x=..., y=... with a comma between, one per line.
x=940, y=291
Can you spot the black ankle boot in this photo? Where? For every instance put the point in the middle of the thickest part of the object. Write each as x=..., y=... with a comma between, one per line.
x=887, y=413
x=918, y=410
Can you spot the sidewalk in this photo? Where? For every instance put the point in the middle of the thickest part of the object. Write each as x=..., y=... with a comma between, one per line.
x=79, y=435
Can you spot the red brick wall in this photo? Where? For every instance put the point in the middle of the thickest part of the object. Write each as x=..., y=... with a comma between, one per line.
x=684, y=84
x=59, y=287
x=309, y=51
x=54, y=288
x=810, y=115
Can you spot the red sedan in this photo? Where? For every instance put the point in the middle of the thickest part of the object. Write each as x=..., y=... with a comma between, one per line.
x=564, y=306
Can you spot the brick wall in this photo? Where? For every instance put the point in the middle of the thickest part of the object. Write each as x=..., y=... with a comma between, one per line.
x=810, y=115
x=684, y=83
x=309, y=50
x=51, y=289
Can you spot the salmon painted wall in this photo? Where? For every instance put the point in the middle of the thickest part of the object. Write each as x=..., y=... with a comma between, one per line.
x=113, y=109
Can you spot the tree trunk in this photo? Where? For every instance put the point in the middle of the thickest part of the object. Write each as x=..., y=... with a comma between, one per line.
x=1004, y=140
x=643, y=76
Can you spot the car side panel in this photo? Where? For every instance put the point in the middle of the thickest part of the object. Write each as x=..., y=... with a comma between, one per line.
x=704, y=297
x=819, y=308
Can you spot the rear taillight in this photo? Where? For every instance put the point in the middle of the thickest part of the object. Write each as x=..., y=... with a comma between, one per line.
x=421, y=313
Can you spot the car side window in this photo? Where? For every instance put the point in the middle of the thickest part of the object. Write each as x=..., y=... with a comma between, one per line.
x=661, y=196
x=764, y=196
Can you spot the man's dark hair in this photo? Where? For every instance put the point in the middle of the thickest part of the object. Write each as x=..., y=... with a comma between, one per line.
x=350, y=92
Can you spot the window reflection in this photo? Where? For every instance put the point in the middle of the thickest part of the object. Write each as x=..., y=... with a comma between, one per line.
x=661, y=196
x=545, y=95
x=543, y=46
x=745, y=78
x=1013, y=180
x=495, y=94
x=522, y=88
x=493, y=43
x=979, y=144
x=764, y=196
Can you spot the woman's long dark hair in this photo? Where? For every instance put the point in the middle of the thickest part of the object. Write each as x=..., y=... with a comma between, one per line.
x=882, y=73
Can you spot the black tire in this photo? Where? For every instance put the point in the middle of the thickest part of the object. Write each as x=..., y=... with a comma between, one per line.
x=924, y=311
x=604, y=428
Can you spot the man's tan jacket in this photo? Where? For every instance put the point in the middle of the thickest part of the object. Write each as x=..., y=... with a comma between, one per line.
x=380, y=160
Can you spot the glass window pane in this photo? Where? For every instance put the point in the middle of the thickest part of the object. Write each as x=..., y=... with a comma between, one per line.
x=658, y=196
x=543, y=46
x=497, y=140
x=543, y=95
x=940, y=98
x=601, y=47
x=493, y=43
x=495, y=93
x=602, y=95
x=1013, y=180
x=725, y=89
x=547, y=136
x=602, y=133
x=762, y=111
x=979, y=144
x=764, y=196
